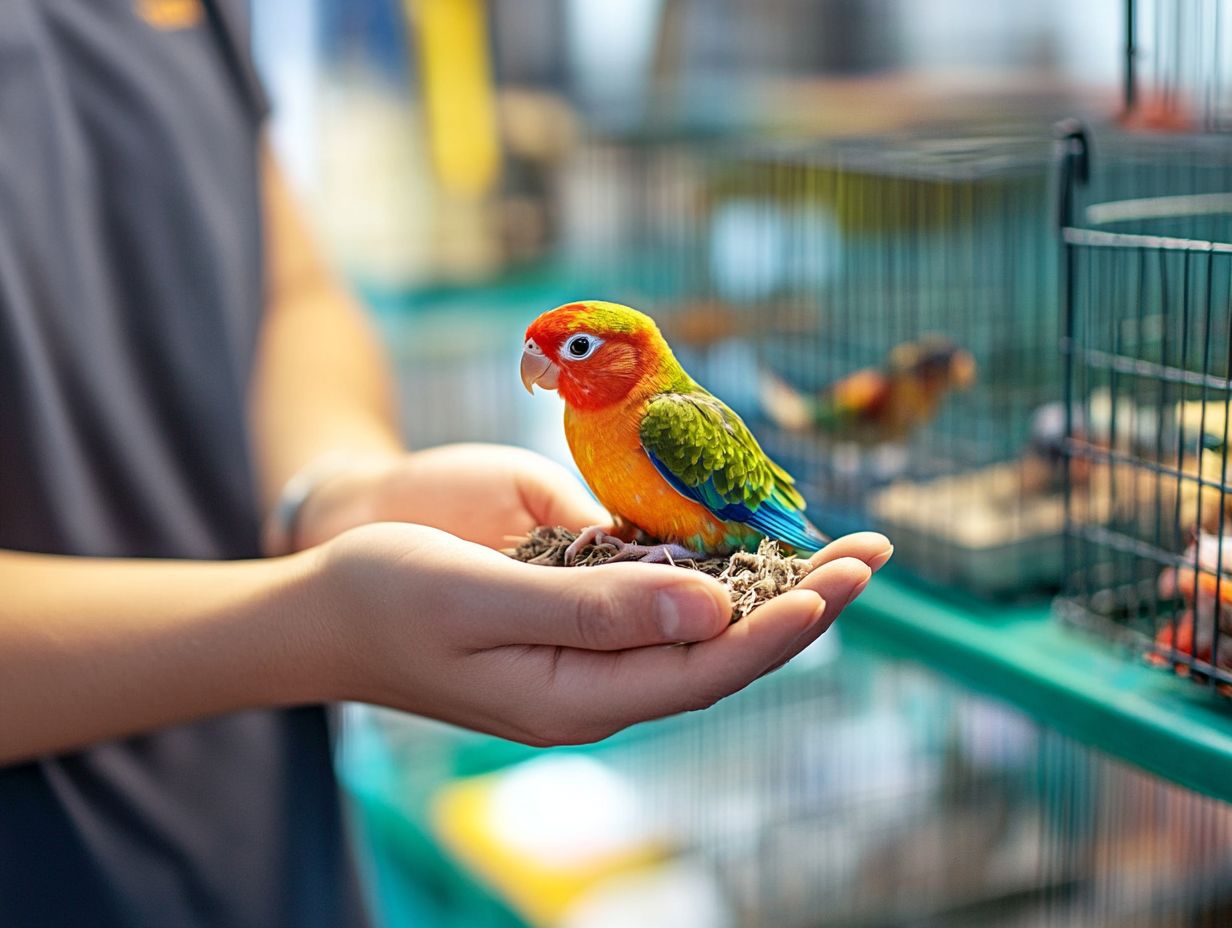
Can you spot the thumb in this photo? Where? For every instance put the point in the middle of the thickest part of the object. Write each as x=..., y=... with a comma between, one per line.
x=553, y=496
x=606, y=608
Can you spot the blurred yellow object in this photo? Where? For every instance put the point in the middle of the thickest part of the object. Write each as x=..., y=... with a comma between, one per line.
x=1202, y=417
x=1205, y=468
x=170, y=15
x=1204, y=504
x=452, y=40
x=544, y=834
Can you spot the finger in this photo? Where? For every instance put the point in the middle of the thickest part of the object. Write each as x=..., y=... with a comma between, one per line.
x=872, y=548
x=839, y=584
x=773, y=633
x=835, y=580
x=607, y=608
x=553, y=496
x=609, y=691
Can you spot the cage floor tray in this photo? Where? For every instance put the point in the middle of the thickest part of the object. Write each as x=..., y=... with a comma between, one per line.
x=976, y=530
x=984, y=531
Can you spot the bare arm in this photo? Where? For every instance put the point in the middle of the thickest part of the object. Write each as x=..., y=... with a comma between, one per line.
x=322, y=383
x=93, y=648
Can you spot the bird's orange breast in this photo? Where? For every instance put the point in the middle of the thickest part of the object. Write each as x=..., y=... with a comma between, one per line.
x=607, y=449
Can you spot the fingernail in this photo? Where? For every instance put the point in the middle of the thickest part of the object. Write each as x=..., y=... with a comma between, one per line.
x=688, y=613
x=857, y=590
x=819, y=611
x=880, y=560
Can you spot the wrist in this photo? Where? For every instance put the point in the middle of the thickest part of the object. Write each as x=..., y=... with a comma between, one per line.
x=364, y=596
x=336, y=492
x=310, y=638
x=345, y=589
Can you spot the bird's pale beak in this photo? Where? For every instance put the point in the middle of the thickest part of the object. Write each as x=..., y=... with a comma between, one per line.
x=537, y=368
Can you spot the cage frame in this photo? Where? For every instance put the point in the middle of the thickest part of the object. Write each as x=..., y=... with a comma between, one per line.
x=1073, y=173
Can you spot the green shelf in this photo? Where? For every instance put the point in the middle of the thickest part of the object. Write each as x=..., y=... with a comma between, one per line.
x=1085, y=688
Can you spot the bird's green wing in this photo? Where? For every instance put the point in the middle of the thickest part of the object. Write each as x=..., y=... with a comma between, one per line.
x=708, y=454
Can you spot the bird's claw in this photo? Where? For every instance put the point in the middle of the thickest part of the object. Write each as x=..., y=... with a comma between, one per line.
x=655, y=554
x=591, y=535
x=628, y=551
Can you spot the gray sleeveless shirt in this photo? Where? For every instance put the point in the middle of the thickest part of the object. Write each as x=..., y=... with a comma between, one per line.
x=130, y=298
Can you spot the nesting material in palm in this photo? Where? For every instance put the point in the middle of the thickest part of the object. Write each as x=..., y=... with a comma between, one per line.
x=751, y=578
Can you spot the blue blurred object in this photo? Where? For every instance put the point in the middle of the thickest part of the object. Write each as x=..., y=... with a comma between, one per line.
x=371, y=33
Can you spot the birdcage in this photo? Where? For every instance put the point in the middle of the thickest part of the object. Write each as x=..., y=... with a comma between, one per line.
x=1147, y=232
x=881, y=311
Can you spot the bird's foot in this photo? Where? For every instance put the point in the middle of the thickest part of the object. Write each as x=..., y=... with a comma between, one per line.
x=627, y=550
x=655, y=554
x=591, y=535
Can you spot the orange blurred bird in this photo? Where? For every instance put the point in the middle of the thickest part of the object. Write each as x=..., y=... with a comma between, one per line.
x=1206, y=589
x=876, y=406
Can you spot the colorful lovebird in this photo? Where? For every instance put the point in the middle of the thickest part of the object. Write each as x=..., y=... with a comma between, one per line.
x=1204, y=583
x=875, y=406
x=668, y=459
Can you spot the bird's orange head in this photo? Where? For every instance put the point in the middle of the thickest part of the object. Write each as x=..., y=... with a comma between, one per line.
x=596, y=354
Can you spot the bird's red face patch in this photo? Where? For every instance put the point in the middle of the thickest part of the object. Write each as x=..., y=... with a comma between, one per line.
x=597, y=360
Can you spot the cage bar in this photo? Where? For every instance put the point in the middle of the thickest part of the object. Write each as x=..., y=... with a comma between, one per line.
x=1148, y=318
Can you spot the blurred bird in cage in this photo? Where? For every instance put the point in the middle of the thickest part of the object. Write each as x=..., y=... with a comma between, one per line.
x=1101, y=425
x=1204, y=585
x=1044, y=462
x=876, y=406
x=1123, y=441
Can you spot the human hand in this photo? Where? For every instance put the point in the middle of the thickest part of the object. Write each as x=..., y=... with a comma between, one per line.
x=483, y=493
x=418, y=620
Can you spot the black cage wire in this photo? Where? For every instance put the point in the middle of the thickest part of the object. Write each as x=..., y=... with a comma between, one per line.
x=1147, y=308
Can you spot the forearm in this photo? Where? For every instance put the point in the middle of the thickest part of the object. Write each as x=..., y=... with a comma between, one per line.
x=401, y=615
x=92, y=649
x=322, y=382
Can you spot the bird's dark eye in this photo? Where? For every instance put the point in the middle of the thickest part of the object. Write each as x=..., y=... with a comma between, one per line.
x=579, y=347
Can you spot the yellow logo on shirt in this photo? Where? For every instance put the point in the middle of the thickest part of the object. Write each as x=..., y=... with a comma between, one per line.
x=170, y=14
